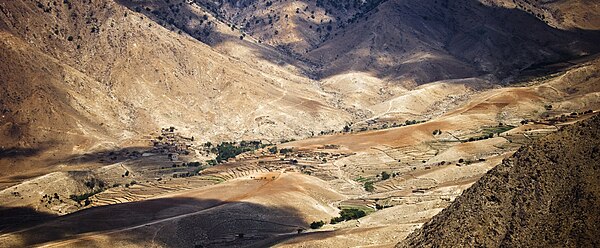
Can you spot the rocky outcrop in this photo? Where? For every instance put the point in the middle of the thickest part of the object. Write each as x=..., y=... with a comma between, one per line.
x=546, y=195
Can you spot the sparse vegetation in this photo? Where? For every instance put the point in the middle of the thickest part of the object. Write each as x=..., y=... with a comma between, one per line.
x=227, y=150
x=385, y=175
x=369, y=186
x=285, y=150
x=212, y=162
x=317, y=224
x=84, y=197
x=194, y=164
x=489, y=132
x=348, y=214
x=273, y=149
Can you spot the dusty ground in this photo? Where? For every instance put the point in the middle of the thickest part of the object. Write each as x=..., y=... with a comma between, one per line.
x=85, y=86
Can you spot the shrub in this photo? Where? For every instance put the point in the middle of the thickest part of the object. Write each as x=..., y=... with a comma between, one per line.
x=385, y=175
x=317, y=224
x=273, y=150
x=369, y=186
x=285, y=150
x=194, y=164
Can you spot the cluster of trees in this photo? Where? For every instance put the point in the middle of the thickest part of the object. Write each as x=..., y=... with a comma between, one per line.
x=84, y=197
x=348, y=214
x=227, y=150
x=407, y=122
x=193, y=164
x=274, y=150
x=95, y=186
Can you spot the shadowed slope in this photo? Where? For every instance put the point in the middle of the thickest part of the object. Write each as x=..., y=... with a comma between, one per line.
x=424, y=41
x=234, y=213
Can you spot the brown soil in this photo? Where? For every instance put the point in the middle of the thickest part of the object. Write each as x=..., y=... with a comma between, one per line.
x=545, y=195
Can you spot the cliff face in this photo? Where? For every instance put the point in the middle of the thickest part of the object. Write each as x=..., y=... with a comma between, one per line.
x=546, y=195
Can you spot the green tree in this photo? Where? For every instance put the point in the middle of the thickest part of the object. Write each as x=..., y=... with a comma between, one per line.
x=273, y=150
x=369, y=186
x=385, y=175
x=317, y=224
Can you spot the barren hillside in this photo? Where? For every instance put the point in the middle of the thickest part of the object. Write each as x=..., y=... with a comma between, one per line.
x=90, y=76
x=409, y=41
x=424, y=41
x=544, y=195
x=298, y=123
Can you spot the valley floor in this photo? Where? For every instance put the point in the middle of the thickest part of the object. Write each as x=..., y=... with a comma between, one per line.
x=400, y=176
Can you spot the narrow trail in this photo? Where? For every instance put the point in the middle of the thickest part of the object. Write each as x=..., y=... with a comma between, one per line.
x=261, y=106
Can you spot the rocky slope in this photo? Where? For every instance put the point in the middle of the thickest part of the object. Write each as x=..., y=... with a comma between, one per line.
x=574, y=14
x=409, y=41
x=424, y=41
x=82, y=77
x=546, y=195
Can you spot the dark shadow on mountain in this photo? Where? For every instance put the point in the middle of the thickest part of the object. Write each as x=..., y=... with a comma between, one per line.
x=181, y=17
x=544, y=69
x=17, y=152
x=104, y=157
x=12, y=219
x=464, y=38
x=171, y=222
